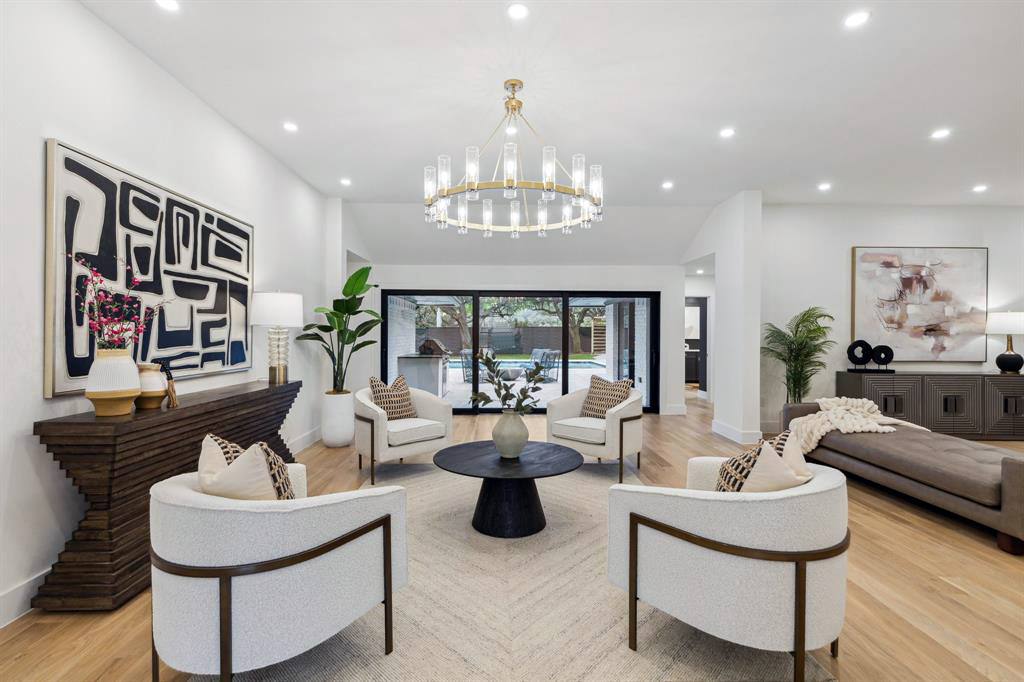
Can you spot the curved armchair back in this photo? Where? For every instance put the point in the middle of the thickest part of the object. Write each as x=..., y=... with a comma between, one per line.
x=742, y=599
x=275, y=614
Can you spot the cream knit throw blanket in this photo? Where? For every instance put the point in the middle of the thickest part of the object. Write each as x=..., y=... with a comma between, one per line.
x=848, y=415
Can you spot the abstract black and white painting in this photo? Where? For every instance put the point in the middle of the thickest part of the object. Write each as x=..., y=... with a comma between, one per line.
x=926, y=303
x=184, y=252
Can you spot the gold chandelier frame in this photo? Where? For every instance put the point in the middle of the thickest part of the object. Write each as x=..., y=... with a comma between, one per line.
x=593, y=205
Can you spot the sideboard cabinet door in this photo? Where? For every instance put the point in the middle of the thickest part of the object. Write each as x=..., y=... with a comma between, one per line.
x=896, y=395
x=1004, y=406
x=954, y=404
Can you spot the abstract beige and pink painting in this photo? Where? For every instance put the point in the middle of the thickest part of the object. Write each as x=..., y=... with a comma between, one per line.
x=927, y=304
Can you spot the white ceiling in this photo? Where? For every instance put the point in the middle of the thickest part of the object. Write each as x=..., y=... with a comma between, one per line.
x=378, y=89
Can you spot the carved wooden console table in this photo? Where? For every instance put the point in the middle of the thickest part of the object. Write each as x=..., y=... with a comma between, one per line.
x=114, y=461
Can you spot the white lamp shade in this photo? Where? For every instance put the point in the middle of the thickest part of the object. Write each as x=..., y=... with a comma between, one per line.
x=276, y=309
x=1005, y=323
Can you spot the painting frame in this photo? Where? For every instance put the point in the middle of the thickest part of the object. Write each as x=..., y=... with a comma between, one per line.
x=856, y=333
x=51, y=286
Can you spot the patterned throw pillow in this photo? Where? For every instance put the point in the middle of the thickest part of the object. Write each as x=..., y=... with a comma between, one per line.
x=256, y=473
x=735, y=470
x=395, y=399
x=603, y=395
x=278, y=473
x=229, y=450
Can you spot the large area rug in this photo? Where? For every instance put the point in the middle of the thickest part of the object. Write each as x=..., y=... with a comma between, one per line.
x=535, y=608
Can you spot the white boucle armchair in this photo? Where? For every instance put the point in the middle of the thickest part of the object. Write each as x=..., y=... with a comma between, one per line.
x=243, y=584
x=775, y=575
x=619, y=434
x=384, y=440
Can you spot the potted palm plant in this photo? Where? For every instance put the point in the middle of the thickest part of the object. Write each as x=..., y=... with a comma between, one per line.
x=510, y=433
x=340, y=337
x=800, y=347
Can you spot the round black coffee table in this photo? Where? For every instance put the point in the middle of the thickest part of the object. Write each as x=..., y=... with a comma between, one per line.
x=508, y=505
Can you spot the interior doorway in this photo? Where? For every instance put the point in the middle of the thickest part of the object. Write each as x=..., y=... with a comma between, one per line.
x=696, y=341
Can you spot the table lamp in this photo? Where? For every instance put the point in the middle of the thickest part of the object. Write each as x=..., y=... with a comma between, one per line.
x=1009, y=324
x=277, y=310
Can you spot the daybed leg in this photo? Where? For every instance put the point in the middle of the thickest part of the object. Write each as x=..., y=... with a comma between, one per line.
x=360, y=461
x=834, y=648
x=225, y=628
x=1010, y=544
x=633, y=528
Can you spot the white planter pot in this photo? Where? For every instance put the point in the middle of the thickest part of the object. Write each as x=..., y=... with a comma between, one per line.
x=113, y=382
x=337, y=420
x=510, y=434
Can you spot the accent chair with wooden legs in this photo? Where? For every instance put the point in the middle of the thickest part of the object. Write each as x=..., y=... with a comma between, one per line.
x=243, y=584
x=384, y=440
x=619, y=434
x=765, y=570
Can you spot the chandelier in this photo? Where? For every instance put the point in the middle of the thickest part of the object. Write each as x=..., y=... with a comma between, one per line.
x=581, y=204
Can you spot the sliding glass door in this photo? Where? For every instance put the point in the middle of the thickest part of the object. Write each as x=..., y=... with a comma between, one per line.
x=521, y=331
x=432, y=338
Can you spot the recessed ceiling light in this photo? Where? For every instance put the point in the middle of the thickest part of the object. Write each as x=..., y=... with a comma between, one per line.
x=824, y=186
x=169, y=5
x=511, y=130
x=289, y=126
x=346, y=182
x=700, y=272
x=979, y=188
x=857, y=19
x=727, y=132
x=518, y=11
x=667, y=184
x=940, y=133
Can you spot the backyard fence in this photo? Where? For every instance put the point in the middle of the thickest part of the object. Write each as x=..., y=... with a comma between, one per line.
x=516, y=340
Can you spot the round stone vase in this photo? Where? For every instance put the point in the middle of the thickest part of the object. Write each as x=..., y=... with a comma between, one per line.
x=113, y=383
x=338, y=422
x=510, y=434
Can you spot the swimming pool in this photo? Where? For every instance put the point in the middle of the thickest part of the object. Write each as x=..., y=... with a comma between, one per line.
x=526, y=364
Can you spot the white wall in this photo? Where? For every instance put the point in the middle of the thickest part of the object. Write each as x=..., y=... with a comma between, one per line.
x=806, y=261
x=67, y=75
x=665, y=279
x=733, y=234
x=704, y=286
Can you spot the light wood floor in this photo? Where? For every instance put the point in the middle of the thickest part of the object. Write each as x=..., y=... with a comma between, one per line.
x=929, y=595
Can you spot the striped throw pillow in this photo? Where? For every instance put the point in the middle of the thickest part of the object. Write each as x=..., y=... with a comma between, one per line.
x=603, y=395
x=395, y=399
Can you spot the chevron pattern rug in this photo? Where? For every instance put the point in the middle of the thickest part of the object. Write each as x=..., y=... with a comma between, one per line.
x=534, y=608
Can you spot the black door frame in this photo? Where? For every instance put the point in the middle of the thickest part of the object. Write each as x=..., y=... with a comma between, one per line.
x=653, y=331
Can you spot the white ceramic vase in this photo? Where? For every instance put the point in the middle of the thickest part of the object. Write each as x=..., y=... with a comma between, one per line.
x=510, y=434
x=113, y=382
x=337, y=419
x=154, y=386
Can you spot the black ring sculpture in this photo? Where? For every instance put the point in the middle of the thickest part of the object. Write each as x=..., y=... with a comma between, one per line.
x=882, y=355
x=859, y=352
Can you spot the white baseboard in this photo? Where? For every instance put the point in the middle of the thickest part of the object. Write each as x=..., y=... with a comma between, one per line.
x=674, y=408
x=703, y=395
x=16, y=602
x=304, y=440
x=734, y=434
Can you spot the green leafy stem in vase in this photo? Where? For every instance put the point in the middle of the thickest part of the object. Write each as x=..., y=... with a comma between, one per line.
x=522, y=401
x=341, y=335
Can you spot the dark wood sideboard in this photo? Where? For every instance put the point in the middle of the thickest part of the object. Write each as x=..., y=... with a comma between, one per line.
x=114, y=460
x=983, y=406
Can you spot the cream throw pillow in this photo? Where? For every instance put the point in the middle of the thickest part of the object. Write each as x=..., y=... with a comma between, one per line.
x=256, y=474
